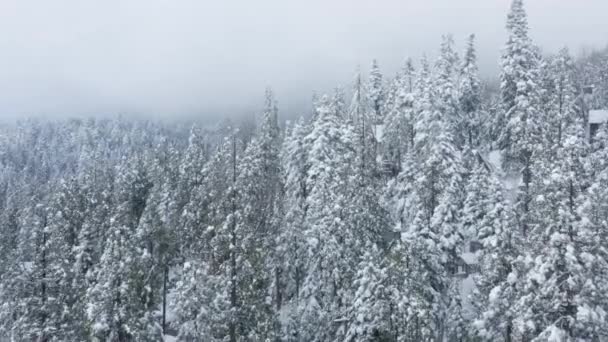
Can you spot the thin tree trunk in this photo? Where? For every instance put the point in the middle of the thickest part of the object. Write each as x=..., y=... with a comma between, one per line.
x=165, y=276
x=233, y=294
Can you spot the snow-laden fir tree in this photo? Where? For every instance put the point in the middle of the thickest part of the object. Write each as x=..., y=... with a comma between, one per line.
x=118, y=303
x=399, y=122
x=520, y=93
x=593, y=232
x=558, y=99
x=330, y=242
x=497, y=233
x=191, y=176
x=66, y=220
x=376, y=93
x=476, y=200
x=520, y=139
x=558, y=298
x=429, y=220
x=256, y=188
x=30, y=308
x=361, y=116
x=445, y=89
x=208, y=207
x=369, y=315
x=96, y=182
x=446, y=221
x=156, y=244
x=291, y=243
x=469, y=92
x=338, y=103
x=200, y=304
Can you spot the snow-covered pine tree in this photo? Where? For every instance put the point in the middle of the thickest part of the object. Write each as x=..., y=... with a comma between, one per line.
x=291, y=243
x=597, y=160
x=376, y=94
x=208, y=258
x=361, y=116
x=432, y=178
x=201, y=304
x=435, y=152
x=520, y=138
x=399, y=199
x=226, y=243
x=117, y=302
x=338, y=103
x=496, y=283
x=558, y=99
x=156, y=245
x=369, y=314
x=30, y=307
x=565, y=95
x=399, y=122
x=446, y=90
x=96, y=181
x=592, y=231
x=426, y=280
x=66, y=220
x=191, y=176
x=458, y=325
x=11, y=191
x=519, y=90
x=476, y=200
x=558, y=295
x=446, y=221
x=207, y=207
x=330, y=242
x=469, y=92
x=257, y=186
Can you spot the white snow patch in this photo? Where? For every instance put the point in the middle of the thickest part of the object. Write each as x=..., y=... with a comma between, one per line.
x=598, y=116
x=494, y=294
x=511, y=184
x=467, y=287
x=379, y=131
x=27, y=266
x=169, y=338
x=555, y=334
x=469, y=258
x=494, y=157
x=285, y=313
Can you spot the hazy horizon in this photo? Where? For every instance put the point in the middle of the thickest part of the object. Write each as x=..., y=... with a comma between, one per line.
x=174, y=58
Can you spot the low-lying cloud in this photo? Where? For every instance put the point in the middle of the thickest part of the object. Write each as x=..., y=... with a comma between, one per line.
x=189, y=57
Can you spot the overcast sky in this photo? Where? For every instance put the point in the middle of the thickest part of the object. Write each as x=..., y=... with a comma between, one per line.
x=174, y=57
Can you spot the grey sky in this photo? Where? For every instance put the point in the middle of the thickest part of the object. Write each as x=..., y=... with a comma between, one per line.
x=169, y=57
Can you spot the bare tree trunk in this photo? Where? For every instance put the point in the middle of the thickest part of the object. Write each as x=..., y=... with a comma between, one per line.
x=165, y=276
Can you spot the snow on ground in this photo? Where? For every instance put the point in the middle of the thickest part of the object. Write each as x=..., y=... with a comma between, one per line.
x=598, y=116
x=285, y=314
x=170, y=338
x=467, y=286
x=494, y=157
x=469, y=257
x=379, y=132
x=510, y=182
x=170, y=314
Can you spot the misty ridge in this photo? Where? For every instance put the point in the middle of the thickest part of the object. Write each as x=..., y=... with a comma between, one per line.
x=430, y=200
